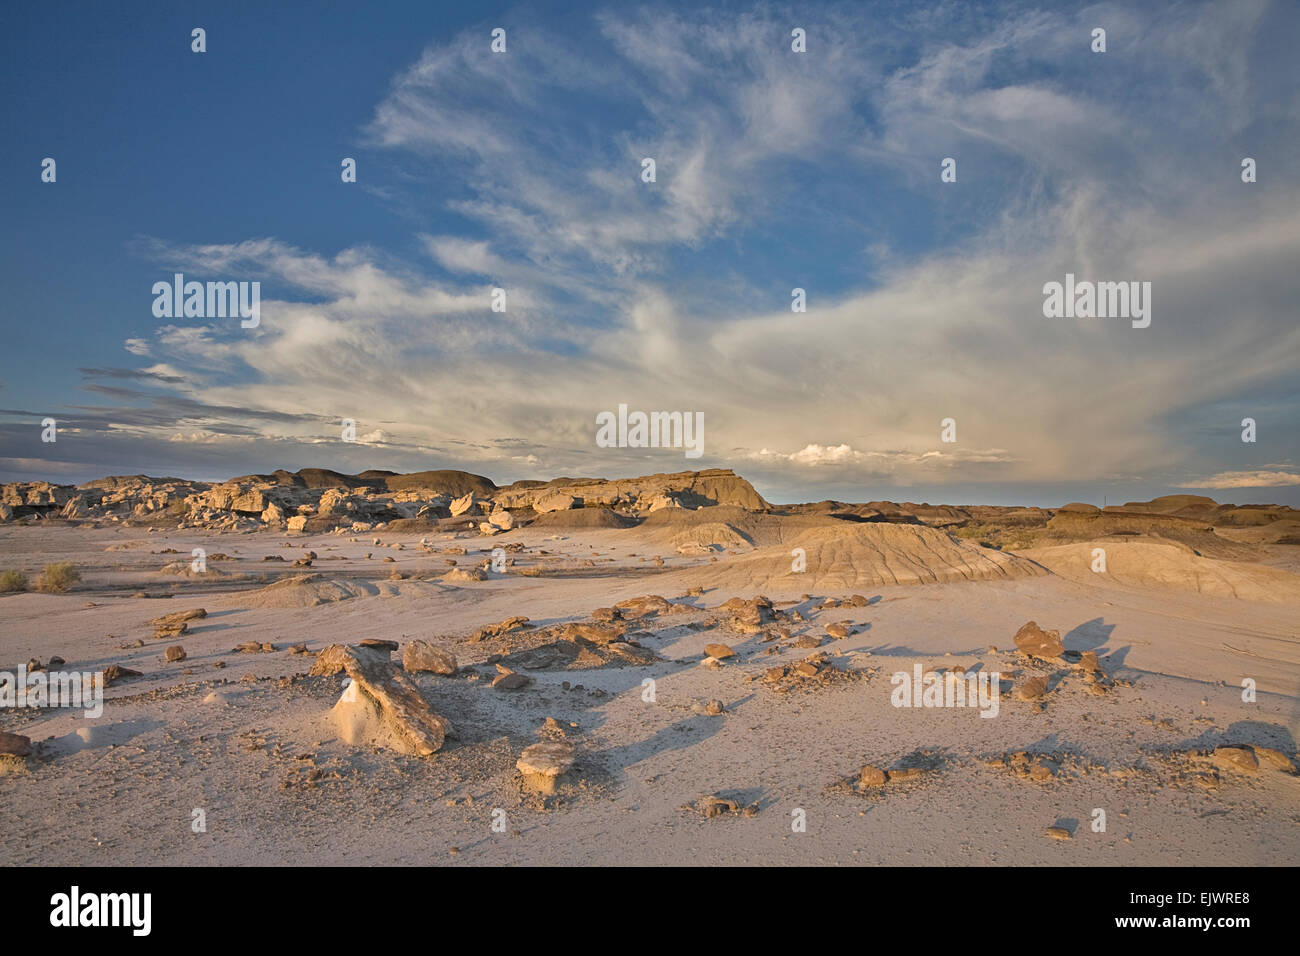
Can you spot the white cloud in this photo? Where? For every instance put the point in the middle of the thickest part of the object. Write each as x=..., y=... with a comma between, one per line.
x=1245, y=479
x=1092, y=176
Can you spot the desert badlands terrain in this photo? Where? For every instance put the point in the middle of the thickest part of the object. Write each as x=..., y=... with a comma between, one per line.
x=312, y=667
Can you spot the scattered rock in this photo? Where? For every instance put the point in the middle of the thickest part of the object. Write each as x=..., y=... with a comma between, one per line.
x=511, y=681
x=1033, y=640
x=464, y=575
x=904, y=774
x=1236, y=758
x=116, y=672
x=423, y=656
x=871, y=776
x=542, y=764
x=718, y=651
x=174, y=653
x=179, y=617
x=495, y=630
x=716, y=806
x=399, y=700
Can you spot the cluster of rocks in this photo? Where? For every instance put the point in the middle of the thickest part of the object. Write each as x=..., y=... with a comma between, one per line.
x=318, y=500
x=1035, y=767
x=813, y=671
x=715, y=805
x=1045, y=647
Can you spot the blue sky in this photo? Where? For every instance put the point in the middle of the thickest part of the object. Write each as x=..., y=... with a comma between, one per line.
x=775, y=170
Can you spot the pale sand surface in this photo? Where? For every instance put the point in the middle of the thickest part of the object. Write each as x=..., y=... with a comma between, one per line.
x=265, y=760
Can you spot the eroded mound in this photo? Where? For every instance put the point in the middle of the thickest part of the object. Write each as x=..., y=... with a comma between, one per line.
x=847, y=556
x=583, y=518
x=711, y=536
x=1147, y=563
x=304, y=590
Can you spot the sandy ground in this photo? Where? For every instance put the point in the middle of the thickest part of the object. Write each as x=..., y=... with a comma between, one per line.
x=255, y=746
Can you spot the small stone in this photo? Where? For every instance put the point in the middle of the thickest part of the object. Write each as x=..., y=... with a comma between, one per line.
x=175, y=653
x=1058, y=833
x=871, y=776
x=718, y=651
x=838, y=631
x=904, y=774
x=511, y=681
x=551, y=726
x=116, y=672
x=714, y=708
x=1040, y=772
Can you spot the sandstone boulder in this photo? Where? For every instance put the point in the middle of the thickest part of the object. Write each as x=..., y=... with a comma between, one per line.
x=1033, y=640
x=555, y=502
x=542, y=764
x=399, y=700
x=464, y=505
x=423, y=656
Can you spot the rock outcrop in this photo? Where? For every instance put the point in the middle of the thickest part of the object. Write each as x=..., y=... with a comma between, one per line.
x=399, y=700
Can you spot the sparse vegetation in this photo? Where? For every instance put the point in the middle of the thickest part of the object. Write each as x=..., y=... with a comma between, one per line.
x=57, y=578
x=997, y=537
x=11, y=581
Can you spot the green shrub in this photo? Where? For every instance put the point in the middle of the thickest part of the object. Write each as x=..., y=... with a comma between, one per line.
x=58, y=578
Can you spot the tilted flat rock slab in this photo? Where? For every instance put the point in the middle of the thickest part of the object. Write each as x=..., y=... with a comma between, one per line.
x=399, y=699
